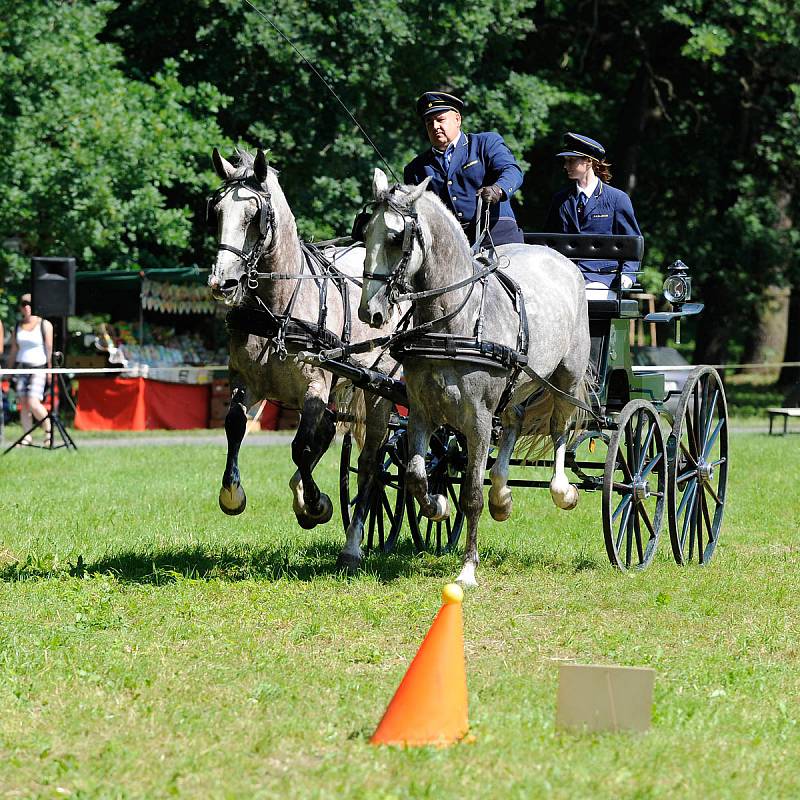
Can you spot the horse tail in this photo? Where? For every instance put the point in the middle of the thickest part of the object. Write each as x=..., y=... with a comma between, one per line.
x=586, y=391
x=535, y=439
x=351, y=407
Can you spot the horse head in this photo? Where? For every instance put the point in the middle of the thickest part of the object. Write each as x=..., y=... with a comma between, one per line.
x=243, y=218
x=395, y=248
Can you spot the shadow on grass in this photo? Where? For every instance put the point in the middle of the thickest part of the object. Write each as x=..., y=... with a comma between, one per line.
x=284, y=561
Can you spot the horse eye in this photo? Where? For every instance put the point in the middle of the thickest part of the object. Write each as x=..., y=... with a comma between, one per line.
x=395, y=238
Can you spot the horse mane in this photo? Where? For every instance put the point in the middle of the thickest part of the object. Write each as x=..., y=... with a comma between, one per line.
x=244, y=165
x=441, y=223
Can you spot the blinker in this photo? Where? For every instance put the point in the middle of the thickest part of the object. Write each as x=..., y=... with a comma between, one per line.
x=359, y=232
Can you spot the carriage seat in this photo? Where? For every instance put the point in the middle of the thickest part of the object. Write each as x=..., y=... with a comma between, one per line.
x=604, y=303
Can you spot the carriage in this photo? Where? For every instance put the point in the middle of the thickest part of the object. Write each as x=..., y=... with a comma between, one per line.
x=648, y=450
x=647, y=455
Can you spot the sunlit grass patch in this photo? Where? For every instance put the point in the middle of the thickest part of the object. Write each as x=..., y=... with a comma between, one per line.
x=152, y=646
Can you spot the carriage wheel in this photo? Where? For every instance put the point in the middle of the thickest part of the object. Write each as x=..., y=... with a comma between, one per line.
x=386, y=503
x=698, y=467
x=634, y=487
x=444, y=464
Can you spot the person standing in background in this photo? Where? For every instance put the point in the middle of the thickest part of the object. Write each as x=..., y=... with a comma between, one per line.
x=32, y=347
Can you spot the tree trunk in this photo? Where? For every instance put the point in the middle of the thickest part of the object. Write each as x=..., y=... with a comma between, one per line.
x=790, y=376
x=768, y=341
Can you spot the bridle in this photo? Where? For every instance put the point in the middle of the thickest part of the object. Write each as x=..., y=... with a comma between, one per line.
x=266, y=226
x=395, y=280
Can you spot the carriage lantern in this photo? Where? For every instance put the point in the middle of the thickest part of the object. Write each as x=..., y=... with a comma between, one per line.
x=678, y=285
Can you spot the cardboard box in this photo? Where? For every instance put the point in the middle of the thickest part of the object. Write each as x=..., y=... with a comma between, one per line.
x=218, y=407
x=91, y=361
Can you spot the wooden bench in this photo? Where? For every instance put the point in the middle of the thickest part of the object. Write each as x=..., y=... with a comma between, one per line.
x=782, y=412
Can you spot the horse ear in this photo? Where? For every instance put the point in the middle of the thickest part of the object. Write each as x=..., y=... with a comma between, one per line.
x=222, y=167
x=380, y=183
x=261, y=167
x=418, y=191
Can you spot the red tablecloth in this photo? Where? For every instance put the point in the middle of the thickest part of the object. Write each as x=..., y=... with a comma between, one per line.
x=137, y=404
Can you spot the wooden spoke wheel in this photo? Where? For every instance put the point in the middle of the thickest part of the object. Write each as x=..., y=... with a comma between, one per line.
x=445, y=464
x=386, y=503
x=634, y=487
x=698, y=467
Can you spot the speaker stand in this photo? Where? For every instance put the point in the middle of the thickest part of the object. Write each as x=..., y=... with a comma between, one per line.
x=55, y=423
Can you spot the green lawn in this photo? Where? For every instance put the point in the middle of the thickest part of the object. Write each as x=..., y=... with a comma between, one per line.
x=151, y=646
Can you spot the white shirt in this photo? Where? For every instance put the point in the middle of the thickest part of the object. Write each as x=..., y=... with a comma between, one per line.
x=30, y=346
x=590, y=189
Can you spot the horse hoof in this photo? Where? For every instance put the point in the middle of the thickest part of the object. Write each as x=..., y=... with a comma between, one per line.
x=500, y=513
x=305, y=522
x=324, y=510
x=348, y=563
x=566, y=500
x=232, y=499
x=500, y=508
x=466, y=577
x=442, y=508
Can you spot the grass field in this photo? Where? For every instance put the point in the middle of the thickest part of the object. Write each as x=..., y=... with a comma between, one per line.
x=152, y=647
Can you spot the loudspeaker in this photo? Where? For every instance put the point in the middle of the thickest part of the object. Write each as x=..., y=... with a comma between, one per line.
x=52, y=287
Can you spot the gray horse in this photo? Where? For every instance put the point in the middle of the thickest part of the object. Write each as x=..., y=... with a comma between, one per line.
x=415, y=245
x=259, y=256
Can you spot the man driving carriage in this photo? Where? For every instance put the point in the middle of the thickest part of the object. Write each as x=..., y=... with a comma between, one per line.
x=463, y=166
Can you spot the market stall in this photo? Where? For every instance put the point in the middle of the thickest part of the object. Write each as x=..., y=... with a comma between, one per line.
x=164, y=329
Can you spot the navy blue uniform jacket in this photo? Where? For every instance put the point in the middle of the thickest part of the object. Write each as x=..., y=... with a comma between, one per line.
x=479, y=159
x=609, y=210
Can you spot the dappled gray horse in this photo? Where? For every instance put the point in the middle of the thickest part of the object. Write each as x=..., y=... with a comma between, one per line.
x=416, y=246
x=258, y=264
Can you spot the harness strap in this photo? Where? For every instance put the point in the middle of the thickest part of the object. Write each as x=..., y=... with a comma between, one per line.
x=465, y=349
x=412, y=296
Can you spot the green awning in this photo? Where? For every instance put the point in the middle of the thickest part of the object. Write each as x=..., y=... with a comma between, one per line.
x=133, y=277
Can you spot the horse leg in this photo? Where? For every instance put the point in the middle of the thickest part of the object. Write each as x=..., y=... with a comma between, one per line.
x=564, y=494
x=433, y=506
x=314, y=435
x=377, y=423
x=232, y=499
x=471, y=499
x=500, y=500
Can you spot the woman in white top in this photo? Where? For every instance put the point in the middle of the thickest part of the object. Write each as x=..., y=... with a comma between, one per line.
x=32, y=346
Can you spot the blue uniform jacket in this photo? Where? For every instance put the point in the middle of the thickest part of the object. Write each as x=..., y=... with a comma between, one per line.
x=609, y=210
x=479, y=159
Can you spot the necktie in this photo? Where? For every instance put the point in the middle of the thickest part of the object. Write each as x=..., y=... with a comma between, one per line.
x=448, y=154
x=581, y=205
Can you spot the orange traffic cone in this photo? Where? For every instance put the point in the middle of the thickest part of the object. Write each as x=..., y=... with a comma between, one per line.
x=430, y=705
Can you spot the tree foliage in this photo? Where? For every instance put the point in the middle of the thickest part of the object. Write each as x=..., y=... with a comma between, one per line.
x=96, y=164
x=110, y=110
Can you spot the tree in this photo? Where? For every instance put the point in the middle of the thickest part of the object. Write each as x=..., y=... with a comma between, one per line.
x=96, y=165
x=378, y=57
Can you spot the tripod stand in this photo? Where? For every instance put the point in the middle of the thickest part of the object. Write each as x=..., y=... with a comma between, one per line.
x=55, y=420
